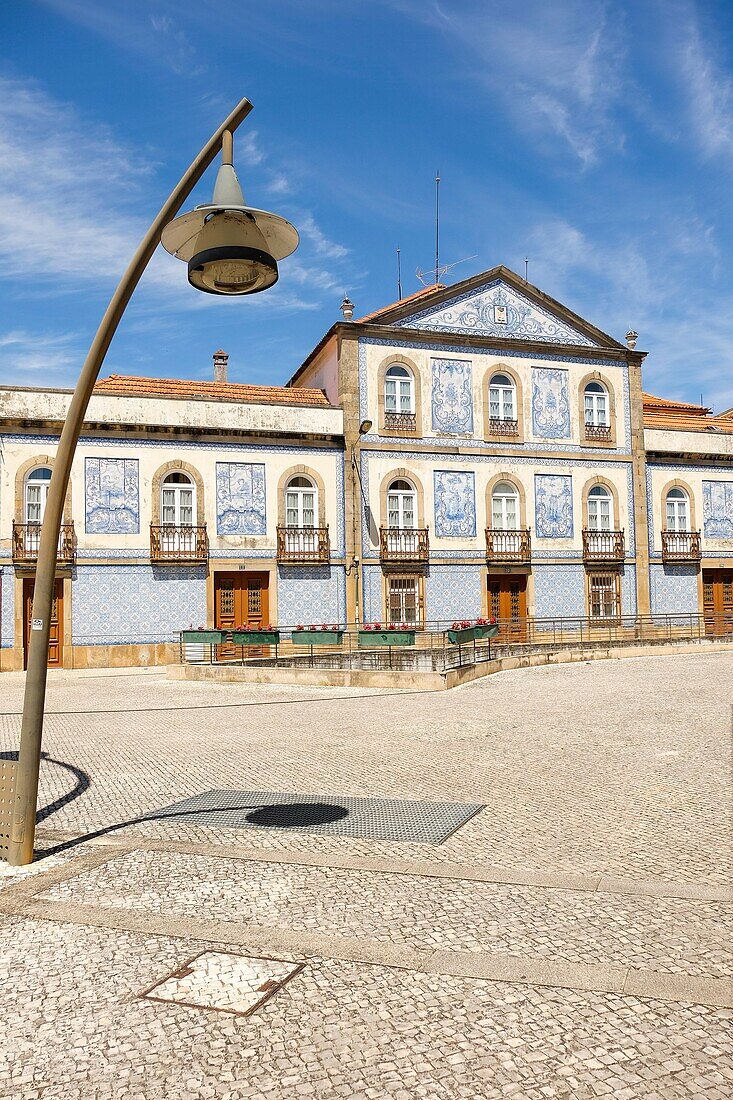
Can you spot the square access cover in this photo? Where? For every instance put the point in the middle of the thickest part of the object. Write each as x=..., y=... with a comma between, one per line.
x=325, y=815
x=224, y=982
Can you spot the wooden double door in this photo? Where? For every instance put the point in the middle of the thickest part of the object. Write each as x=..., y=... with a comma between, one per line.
x=717, y=601
x=508, y=605
x=240, y=600
x=56, y=637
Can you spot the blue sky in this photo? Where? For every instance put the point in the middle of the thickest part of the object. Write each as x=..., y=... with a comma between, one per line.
x=596, y=138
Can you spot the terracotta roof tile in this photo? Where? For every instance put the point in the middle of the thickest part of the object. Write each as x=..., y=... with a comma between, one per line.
x=423, y=293
x=129, y=385
x=684, y=417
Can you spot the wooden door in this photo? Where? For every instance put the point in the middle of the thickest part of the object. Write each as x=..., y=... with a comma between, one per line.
x=240, y=600
x=717, y=589
x=56, y=637
x=508, y=605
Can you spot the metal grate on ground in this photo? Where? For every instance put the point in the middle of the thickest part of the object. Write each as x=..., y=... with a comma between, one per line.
x=324, y=815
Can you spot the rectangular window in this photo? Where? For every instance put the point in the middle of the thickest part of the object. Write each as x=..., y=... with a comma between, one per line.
x=403, y=600
x=604, y=595
x=390, y=396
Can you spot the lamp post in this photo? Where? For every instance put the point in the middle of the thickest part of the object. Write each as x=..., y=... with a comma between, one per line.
x=231, y=249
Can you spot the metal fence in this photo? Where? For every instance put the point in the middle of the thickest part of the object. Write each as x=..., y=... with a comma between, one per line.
x=432, y=648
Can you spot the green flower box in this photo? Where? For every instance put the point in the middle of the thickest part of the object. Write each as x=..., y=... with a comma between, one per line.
x=255, y=637
x=386, y=637
x=203, y=637
x=473, y=633
x=317, y=637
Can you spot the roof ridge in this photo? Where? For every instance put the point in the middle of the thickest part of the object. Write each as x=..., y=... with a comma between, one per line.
x=423, y=292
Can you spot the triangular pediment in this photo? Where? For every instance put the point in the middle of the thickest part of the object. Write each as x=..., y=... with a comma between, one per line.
x=497, y=304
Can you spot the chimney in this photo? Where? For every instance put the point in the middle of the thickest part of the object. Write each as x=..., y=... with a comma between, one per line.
x=347, y=308
x=631, y=338
x=221, y=358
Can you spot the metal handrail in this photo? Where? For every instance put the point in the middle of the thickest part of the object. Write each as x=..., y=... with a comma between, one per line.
x=603, y=545
x=27, y=540
x=504, y=545
x=404, y=543
x=681, y=546
x=171, y=542
x=303, y=544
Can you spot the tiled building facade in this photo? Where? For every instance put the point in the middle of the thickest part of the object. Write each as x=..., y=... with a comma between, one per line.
x=475, y=449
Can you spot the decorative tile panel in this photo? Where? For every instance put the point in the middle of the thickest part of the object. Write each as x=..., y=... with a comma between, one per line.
x=673, y=470
x=497, y=310
x=559, y=591
x=7, y=607
x=550, y=403
x=673, y=589
x=116, y=605
x=240, y=498
x=453, y=592
x=553, y=502
x=628, y=589
x=112, y=504
x=455, y=504
x=310, y=594
x=373, y=609
x=717, y=509
x=452, y=396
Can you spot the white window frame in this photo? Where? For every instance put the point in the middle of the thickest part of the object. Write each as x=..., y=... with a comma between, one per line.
x=598, y=520
x=399, y=390
x=301, y=502
x=178, y=497
x=596, y=405
x=501, y=517
x=502, y=397
x=402, y=504
x=677, y=510
x=38, y=486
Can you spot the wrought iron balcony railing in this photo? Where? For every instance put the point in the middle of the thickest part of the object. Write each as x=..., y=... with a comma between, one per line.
x=303, y=544
x=603, y=545
x=598, y=432
x=681, y=546
x=170, y=542
x=499, y=426
x=27, y=539
x=508, y=545
x=403, y=544
x=400, y=422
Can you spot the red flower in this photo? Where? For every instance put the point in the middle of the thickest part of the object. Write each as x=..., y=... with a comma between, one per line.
x=377, y=626
x=299, y=626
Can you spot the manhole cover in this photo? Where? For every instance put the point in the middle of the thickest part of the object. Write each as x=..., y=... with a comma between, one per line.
x=224, y=982
x=326, y=815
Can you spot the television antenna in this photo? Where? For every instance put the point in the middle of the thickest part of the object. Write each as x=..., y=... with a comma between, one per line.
x=434, y=274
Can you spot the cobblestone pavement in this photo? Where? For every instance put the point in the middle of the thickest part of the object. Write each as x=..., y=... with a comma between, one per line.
x=570, y=940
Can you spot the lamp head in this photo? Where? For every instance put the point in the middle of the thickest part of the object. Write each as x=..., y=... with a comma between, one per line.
x=230, y=248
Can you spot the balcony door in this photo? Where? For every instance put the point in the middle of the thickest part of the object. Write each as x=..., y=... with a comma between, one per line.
x=301, y=510
x=402, y=537
x=56, y=635
x=508, y=605
x=177, y=515
x=36, y=494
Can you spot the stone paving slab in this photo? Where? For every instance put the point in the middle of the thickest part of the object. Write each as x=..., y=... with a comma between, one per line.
x=666, y=934
x=80, y=1029
x=620, y=768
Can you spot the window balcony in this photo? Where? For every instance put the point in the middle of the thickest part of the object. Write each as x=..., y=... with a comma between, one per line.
x=605, y=546
x=598, y=433
x=400, y=544
x=303, y=545
x=513, y=546
x=681, y=546
x=27, y=540
x=502, y=427
x=170, y=542
x=400, y=422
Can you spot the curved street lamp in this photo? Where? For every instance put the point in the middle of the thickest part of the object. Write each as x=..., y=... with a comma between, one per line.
x=230, y=249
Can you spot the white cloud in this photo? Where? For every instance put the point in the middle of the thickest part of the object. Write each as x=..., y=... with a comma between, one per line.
x=708, y=91
x=321, y=243
x=24, y=352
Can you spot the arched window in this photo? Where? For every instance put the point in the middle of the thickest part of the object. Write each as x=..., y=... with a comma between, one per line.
x=505, y=507
x=596, y=406
x=502, y=398
x=399, y=391
x=678, y=510
x=600, y=509
x=36, y=494
x=401, y=505
x=301, y=502
x=177, y=500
